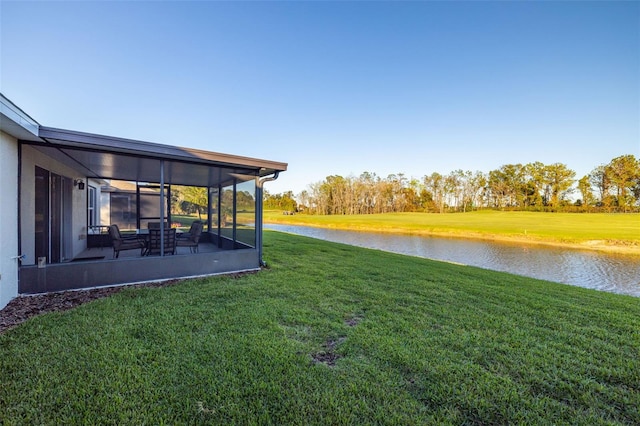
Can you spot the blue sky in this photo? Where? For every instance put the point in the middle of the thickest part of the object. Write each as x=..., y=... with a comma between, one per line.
x=337, y=87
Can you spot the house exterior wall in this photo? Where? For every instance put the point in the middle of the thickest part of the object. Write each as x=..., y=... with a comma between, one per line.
x=30, y=159
x=8, y=218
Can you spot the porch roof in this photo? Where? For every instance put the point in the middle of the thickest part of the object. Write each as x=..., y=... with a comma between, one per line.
x=107, y=157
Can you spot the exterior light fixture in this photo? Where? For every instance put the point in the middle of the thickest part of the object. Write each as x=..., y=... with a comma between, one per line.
x=79, y=183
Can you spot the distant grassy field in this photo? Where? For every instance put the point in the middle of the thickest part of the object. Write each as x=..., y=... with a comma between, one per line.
x=331, y=334
x=601, y=231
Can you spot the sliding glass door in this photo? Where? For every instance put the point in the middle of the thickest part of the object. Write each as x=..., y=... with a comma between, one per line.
x=52, y=216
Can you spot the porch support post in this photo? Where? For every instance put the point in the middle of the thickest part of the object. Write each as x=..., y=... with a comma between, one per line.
x=161, y=207
x=209, y=209
x=234, y=213
x=258, y=220
x=137, y=205
x=219, y=218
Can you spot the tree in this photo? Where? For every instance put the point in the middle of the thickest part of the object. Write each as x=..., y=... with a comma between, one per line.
x=305, y=200
x=197, y=196
x=506, y=185
x=478, y=184
x=412, y=197
x=434, y=184
x=283, y=201
x=584, y=186
x=365, y=192
x=534, y=173
x=336, y=189
x=600, y=180
x=395, y=192
x=452, y=189
x=226, y=207
x=534, y=185
x=245, y=201
x=558, y=179
x=623, y=173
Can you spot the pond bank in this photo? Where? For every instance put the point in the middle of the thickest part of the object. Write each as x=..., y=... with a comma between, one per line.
x=603, y=245
x=605, y=271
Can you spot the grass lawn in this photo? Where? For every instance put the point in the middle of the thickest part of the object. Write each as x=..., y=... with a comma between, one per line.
x=331, y=334
x=187, y=220
x=620, y=232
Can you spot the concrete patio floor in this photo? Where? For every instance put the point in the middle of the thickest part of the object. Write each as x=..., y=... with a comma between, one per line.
x=106, y=253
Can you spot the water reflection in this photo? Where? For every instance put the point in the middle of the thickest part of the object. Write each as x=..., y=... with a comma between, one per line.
x=602, y=271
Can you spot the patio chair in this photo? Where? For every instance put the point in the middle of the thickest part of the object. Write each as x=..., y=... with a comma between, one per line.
x=153, y=244
x=121, y=243
x=191, y=239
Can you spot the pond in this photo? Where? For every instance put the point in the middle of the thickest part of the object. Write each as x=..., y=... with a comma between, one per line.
x=610, y=272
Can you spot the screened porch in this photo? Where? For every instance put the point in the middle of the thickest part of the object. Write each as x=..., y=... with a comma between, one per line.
x=137, y=186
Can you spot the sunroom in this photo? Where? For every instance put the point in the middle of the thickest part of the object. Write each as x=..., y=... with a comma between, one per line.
x=74, y=185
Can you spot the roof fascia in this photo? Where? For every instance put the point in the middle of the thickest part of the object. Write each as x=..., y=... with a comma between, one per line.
x=16, y=122
x=81, y=140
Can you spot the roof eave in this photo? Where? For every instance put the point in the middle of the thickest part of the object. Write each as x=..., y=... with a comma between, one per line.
x=82, y=140
x=16, y=122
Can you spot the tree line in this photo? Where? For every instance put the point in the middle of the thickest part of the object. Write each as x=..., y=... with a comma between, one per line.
x=612, y=187
x=195, y=199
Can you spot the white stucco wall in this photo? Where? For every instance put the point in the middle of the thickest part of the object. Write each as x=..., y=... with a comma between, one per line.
x=8, y=218
x=30, y=159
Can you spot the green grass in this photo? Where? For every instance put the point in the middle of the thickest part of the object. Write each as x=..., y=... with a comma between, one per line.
x=186, y=220
x=621, y=229
x=398, y=340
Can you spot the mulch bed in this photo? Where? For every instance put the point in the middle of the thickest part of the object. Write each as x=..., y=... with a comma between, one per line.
x=22, y=308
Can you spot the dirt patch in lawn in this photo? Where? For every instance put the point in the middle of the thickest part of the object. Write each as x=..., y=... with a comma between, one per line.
x=353, y=321
x=328, y=356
